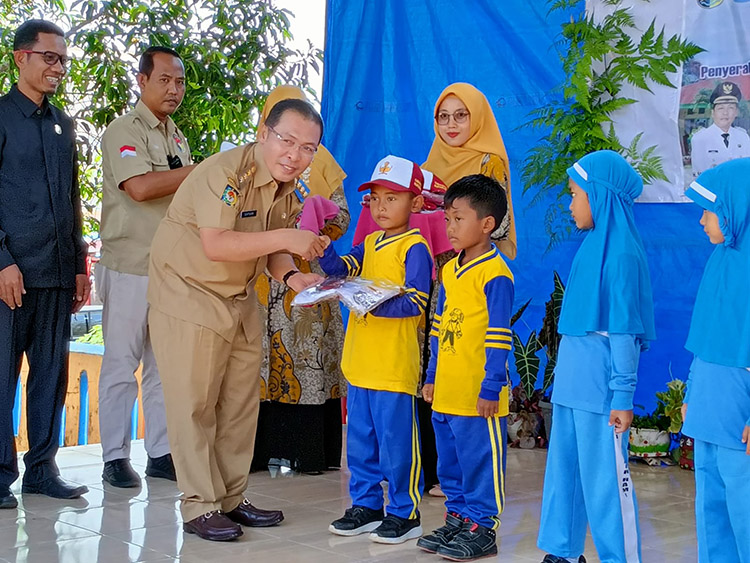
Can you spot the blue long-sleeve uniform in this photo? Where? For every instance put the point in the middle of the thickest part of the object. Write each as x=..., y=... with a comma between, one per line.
x=718, y=399
x=595, y=374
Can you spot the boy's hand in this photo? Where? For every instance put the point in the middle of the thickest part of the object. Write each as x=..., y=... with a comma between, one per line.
x=746, y=439
x=306, y=244
x=620, y=420
x=428, y=391
x=487, y=408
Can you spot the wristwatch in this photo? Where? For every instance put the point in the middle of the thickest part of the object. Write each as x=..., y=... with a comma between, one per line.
x=288, y=275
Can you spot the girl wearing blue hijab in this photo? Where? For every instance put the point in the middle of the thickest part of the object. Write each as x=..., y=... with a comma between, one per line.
x=717, y=404
x=607, y=318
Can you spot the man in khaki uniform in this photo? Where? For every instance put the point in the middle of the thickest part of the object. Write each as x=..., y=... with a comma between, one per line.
x=145, y=158
x=231, y=218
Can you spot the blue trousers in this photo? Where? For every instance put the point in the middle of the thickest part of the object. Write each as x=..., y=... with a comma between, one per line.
x=722, y=503
x=471, y=465
x=588, y=481
x=382, y=443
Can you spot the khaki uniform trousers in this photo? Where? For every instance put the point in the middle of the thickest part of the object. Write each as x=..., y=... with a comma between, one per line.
x=212, y=394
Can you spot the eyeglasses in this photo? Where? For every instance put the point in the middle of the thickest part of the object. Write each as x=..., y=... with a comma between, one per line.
x=50, y=57
x=459, y=116
x=306, y=150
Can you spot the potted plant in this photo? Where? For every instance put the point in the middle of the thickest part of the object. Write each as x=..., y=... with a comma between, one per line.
x=531, y=419
x=526, y=421
x=651, y=435
x=549, y=338
x=672, y=400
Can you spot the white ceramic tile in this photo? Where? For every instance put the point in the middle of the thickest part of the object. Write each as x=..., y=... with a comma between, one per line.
x=121, y=525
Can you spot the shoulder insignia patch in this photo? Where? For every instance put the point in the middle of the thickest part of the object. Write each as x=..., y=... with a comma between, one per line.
x=230, y=195
x=127, y=150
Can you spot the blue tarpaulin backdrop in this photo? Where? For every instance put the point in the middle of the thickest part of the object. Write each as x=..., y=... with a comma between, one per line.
x=386, y=62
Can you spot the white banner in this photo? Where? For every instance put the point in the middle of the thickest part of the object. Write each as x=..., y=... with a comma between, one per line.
x=704, y=121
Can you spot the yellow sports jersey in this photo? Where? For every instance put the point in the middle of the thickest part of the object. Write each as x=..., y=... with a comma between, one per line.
x=470, y=336
x=381, y=349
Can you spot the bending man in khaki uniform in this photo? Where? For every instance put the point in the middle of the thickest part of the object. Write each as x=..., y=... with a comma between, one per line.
x=230, y=219
x=145, y=158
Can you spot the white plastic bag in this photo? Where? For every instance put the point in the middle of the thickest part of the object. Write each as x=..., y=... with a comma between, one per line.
x=359, y=295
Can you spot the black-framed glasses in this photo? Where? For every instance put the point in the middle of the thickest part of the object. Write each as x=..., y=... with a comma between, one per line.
x=459, y=116
x=50, y=57
x=307, y=150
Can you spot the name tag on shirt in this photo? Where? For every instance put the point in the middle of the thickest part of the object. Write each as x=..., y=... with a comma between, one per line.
x=251, y=213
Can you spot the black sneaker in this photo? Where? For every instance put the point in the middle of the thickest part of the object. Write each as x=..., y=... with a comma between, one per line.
x=395, y=529
x=119, y=473
x=7, y=498
x=162, y=467
x=549, y=558
x=443, y=535
x=474, y=541
x=356, y=520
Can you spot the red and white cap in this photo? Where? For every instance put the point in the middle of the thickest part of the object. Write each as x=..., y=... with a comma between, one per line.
x=432, y=183
x=397, y=174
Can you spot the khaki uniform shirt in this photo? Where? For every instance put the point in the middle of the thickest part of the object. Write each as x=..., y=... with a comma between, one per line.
x=230, y=190
x=132, y=145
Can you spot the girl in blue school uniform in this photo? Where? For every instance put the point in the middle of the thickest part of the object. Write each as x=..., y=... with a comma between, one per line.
x=606, y=320
x=717, y=409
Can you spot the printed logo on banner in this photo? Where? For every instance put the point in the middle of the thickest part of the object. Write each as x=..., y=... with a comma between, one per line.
x=709, y=3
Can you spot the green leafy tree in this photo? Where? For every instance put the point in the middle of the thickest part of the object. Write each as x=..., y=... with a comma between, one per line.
x=598, y=58
x=235, y=52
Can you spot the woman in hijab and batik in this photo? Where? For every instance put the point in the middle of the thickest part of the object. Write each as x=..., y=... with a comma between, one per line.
x=467, y=141
x=300, y=415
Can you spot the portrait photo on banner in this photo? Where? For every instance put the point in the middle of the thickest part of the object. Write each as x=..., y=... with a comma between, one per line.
x=714, y=117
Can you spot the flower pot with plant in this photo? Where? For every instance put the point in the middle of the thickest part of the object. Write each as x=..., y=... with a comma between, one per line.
x=549, y=338
x=531, y=411
x=651, y=434
x=672, y=400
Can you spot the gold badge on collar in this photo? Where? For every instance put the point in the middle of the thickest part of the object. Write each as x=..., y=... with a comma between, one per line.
x=248, y=174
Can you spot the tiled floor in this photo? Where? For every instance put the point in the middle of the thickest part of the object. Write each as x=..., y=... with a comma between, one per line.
x=121, y=525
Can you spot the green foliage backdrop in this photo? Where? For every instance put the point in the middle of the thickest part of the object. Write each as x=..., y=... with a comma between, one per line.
x=599, y=57
x=235, y=52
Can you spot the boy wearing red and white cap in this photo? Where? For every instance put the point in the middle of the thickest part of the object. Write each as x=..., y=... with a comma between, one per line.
x=381, y=361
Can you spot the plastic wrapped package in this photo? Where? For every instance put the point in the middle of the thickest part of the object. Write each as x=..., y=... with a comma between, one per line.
x=359, y=295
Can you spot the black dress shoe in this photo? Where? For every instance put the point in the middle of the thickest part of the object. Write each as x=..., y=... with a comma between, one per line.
x=247, y=515
x=55, y=487
x=119, y=473
x=213, y=526
x=7, y=499
x=162, y=467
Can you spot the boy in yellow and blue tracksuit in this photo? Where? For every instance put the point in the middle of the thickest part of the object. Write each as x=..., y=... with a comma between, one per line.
x=380, y=361
x=718, y=396
x=467, y=381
